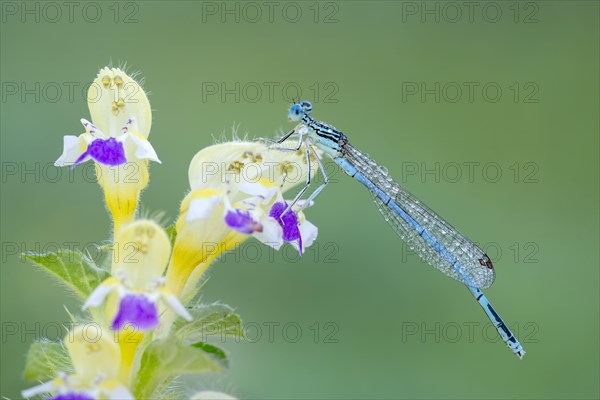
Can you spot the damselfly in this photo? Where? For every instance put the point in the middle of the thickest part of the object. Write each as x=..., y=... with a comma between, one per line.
x=432, y=238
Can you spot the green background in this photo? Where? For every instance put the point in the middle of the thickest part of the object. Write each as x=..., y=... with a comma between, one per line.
x=402, y=329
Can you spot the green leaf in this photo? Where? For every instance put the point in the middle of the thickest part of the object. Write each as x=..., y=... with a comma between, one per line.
x=213, y=321
x=165, y=359
x=45, y=359
x=72, y=268
x=218, y=353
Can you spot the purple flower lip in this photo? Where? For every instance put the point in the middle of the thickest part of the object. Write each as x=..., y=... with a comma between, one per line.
x=288, y=222
x=105, y=151
x=136, y=310
x=241, y=221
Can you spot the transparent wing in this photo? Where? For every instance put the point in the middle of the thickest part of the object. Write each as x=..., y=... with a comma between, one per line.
x=440, y=245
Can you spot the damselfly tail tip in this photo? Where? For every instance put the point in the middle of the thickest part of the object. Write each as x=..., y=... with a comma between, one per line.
x=520, y=354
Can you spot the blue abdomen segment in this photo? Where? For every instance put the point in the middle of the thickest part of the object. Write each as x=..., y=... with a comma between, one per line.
x=505, y=333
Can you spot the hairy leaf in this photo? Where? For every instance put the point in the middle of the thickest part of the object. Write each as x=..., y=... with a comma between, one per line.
x=72, y=268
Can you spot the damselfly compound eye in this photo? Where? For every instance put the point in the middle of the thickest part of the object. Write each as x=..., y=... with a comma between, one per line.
x=296, y=112
x=306, y=106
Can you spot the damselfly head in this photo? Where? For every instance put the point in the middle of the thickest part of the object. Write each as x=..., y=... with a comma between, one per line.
x=298, y=110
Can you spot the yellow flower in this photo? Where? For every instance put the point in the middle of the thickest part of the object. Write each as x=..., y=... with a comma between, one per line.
x=94, y=357
x=233, y=185
x=238, y=163
x=140, y=256
x=141, y=253
x=116, y=140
